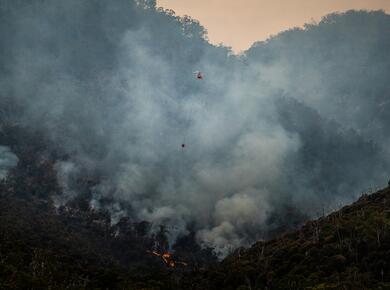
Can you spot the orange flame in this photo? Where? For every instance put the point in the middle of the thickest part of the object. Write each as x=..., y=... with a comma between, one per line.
x=168, y=259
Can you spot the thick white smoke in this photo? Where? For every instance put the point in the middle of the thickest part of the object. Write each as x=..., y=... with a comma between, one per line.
x=113, y=85
x=8, y=160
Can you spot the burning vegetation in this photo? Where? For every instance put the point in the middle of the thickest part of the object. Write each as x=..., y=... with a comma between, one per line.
x=48, y=231
x=168, y=259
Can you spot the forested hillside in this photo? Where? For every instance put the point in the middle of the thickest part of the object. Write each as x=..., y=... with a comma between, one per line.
x=347, y=249
x=119, y=167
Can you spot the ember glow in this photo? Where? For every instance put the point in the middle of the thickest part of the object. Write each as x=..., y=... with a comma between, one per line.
x=168, y=259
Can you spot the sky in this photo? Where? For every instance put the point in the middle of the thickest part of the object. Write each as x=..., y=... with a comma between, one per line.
x=240, y=23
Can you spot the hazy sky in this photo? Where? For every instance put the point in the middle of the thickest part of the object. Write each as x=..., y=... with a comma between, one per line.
x=238, y=23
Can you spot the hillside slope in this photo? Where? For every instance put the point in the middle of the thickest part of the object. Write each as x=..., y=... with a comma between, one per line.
x=42, y=249
x=44, y=246
x=348, y=249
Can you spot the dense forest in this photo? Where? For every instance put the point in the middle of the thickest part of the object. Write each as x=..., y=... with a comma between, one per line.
x=75, y=246
x=96, y=99
x=347, y=249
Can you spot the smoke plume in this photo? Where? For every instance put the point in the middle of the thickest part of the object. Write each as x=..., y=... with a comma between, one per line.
x=295, y=125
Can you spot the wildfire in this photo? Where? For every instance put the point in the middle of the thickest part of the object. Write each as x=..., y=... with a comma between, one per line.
x=168, y=259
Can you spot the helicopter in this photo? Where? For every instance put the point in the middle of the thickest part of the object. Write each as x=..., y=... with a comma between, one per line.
x=199, y=75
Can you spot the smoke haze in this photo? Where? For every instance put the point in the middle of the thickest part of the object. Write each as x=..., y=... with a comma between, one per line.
x=8, y=160
x=297, y=123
